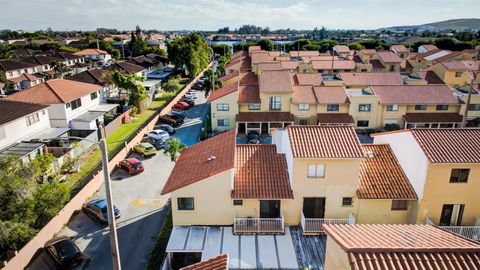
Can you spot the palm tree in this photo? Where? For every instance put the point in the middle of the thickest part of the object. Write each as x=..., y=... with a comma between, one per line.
x=211, y=79
x=174, y=149
x=59, y=67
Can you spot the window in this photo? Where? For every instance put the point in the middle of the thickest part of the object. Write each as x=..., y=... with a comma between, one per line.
x=459, y=175
x=316, y=170
x=275, y=103
x=93, y=95
x=254, y=107
x=303, y=122
x=364, y=107
x=303, y=107
x=392, y=108
x=222, y=107
x=223, y=122
x=185, y=204
x=442, y=107
x=333, y=107
x=458, y=74
x=474, y=107
x=399, y=205
x=32, y=119
x=347, y=201
x=362, y=123
x=420, y=107
x=238, y=202
x=76, y=103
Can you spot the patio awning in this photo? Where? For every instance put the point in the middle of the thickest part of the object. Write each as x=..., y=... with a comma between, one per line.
x=47, y=134
x=334, y=118
x=88, y=116
x=104, y=108
x=432, y=118
x=22, y=149
x=265, y=117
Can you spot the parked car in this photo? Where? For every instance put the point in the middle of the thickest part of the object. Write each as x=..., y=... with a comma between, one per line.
x=181, y=106
x=253, y=137
x=181, y=114
x=178, y=118
x=97, y=209
x=64, y=252
x=159, y=134
x=131, y=165
x=190, y=96
x=169, y=129
x=190, y=102
x=158, y=144
x=145, y=149
x=168, y=120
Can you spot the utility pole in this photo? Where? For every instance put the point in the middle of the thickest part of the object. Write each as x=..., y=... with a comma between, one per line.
x=470, y=89
x=111, y=214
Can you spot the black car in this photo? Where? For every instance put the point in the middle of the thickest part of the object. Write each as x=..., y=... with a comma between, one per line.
x=64, y=252
x=176, y=117
x=253, y=137
x=167, y=128
x=167, y=119
x=158, y=144
x=178, y=113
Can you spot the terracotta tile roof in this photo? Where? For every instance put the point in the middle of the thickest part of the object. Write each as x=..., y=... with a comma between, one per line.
x=429, y=47
x=24, y=77
x=94, y=76
x=260, y=173
x=432, y=55
x=239, y=54
x=449, y=145
x=415, y=94
x=406, y=64
x=372, y=247
x=127, y=67
x=303, y=94
x=56, y=91
x=289, y=64
x=275, y=82
x=12, y=110
x=308, y=59
x=193, y=165
x=432, y=117
x=455, y=66
x=334, y=118
x=234, y=62
x=430, y=77
x=472, y=65
x=39, y=59
x=248, y=78
x=381, y=176
x=357, y=59
x=264, y=117
x=340, y=64
x=259, y=57
x=399, y=48
x=324, y=142
x=369, y=51
x=376, y=63
x=282, y=58
x=219, y=262
x=303, y=53
x=273, y=53
x=269, y=66
x=246, y=64
x=452, y=55
x=223, y=92
x=91, y=52
x=229, y=76
x=254, y=48
x=371, y=78
x=341, y=48
x=389, y=57
x=143, y=61
x=313, y=79
x=330, y=94
x=248, y=94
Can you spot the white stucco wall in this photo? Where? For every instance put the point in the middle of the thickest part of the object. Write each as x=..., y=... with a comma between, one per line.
x=15, y=131
x=281, y=140
x=410, y=156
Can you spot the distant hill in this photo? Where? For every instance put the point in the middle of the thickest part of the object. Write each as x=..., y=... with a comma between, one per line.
x=455, y=24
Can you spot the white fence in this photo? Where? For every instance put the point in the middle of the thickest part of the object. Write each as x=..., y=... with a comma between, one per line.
x=472, y=232
x=259, y=225
x=314, y=225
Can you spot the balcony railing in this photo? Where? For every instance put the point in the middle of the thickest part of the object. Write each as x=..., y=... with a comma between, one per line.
x=472, y=232
x=314, y=225
x=251, y=225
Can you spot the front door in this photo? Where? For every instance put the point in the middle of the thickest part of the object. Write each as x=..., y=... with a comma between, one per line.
x=451, y=215
x=270, y=209
x=314, y=207
x=264, y=128
x=241, y=128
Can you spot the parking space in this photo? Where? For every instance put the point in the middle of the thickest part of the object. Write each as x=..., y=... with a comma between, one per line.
x=141, y=207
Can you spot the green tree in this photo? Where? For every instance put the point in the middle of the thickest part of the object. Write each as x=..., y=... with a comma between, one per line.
x=190, y=52
x=222, y=50
x=266, y=44
x=130, y=84
x=49, y=199
x=172, y=85
x=174, y=149
x=212, y=78
x=155, y=50
x=356, y=46
x=59, y=68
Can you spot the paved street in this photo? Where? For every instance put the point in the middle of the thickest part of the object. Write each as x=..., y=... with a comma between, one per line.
x=141, y=206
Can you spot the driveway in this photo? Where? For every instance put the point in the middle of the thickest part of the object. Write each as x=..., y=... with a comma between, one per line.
x=142, y=208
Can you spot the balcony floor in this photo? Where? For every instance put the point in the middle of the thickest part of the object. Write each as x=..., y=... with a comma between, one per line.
x=310, y=249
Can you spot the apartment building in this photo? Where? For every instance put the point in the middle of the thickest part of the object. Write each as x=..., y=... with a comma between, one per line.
x=443, y=166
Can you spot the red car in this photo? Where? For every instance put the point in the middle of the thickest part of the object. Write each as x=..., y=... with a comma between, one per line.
x=131, y=165
x=181, y=106
x=190, y=102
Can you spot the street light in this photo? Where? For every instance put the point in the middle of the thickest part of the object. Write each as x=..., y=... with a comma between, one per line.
x=108, y=190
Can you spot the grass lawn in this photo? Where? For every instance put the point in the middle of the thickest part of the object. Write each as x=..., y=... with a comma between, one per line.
x=119, y=136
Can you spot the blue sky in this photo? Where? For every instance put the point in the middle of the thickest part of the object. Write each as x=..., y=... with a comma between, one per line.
x=213, y=14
